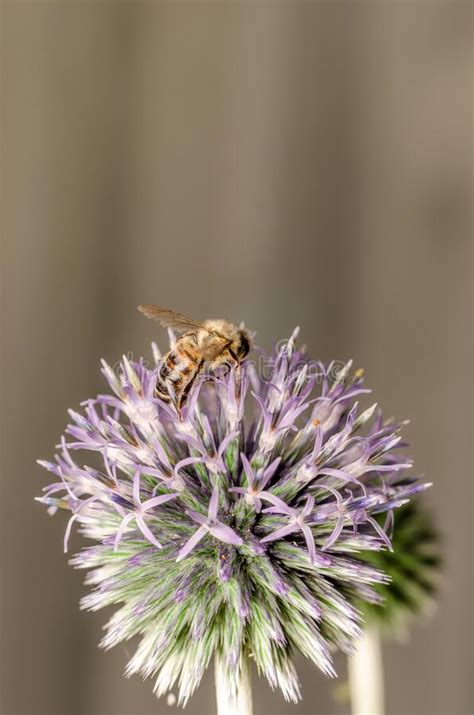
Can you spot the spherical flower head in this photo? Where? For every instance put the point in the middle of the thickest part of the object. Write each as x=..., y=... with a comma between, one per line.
x=235, y=527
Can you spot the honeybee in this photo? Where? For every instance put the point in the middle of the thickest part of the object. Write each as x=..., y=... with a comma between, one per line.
x=211, y=342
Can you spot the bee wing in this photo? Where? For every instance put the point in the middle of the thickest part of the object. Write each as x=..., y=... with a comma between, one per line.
x=169, y=318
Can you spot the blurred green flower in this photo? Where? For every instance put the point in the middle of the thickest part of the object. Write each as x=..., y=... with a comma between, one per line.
x=413, y=566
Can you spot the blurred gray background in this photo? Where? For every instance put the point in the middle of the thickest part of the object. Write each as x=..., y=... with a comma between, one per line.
x=280, y=163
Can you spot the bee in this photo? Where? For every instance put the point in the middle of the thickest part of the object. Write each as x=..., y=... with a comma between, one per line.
x=211, y=342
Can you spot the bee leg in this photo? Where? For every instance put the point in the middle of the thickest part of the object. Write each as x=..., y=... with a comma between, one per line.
x=236, y=364
x=207, y=378
x=162, y=395
x=229, y=368
x=177, y=398
x=179, y=404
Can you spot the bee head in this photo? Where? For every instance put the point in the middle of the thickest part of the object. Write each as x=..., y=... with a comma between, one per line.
x=242, y=344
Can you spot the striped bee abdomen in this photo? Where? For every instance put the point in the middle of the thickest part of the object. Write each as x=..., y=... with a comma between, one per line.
x=177, y=372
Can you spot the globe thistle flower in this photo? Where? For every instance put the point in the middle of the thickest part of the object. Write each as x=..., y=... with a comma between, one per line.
x=234, y=529
x=413, y=566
